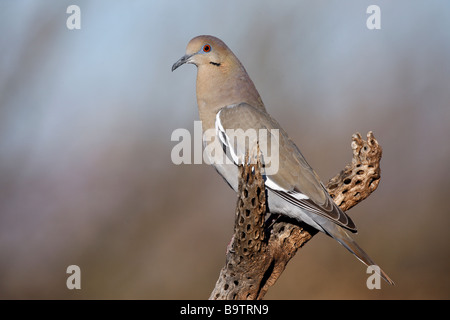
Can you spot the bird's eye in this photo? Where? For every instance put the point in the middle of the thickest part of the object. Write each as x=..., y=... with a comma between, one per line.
x=206, y=48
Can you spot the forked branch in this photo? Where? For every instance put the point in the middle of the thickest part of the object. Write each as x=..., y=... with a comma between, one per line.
x=260, y=250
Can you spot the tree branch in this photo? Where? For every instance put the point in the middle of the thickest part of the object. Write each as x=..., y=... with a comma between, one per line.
x=259, y=251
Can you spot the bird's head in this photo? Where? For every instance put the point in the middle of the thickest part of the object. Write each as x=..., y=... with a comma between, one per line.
x=205, y=50
x=221, y=78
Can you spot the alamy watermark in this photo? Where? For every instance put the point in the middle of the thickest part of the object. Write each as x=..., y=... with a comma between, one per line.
x=374, y=280
x=226, y=147
x=373, y=22
x=74, y=280
x=73, y=22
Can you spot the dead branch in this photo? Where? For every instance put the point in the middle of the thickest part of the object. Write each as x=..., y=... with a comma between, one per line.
x=259, y=250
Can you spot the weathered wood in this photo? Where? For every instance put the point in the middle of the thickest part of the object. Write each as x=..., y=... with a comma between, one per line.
x=259, y=251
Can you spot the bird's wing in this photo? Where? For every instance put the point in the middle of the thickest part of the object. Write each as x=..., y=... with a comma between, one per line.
x=295, y=181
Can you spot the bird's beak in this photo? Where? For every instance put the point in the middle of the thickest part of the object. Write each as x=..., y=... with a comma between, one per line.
x=184, y=59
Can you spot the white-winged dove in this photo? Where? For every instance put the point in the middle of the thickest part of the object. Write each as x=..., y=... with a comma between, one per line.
x=227, y=99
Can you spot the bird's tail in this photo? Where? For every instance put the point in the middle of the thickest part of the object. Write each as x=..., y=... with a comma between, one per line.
x=343, y=238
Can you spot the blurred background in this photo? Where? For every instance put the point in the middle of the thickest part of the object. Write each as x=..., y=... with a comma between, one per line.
x=86, y=118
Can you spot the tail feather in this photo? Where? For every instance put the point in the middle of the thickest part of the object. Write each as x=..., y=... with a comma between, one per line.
x=359, y=253
x=339, y=234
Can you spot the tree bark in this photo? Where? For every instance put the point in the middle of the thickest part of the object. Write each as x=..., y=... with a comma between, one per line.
x=260, y=250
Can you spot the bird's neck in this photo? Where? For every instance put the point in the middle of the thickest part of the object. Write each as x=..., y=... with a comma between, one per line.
x=223, y=85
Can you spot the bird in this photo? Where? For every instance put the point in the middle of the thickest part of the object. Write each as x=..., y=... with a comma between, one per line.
x=227, y=100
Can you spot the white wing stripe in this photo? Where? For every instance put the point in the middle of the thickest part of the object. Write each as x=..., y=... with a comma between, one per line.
x=272, y=185
x=223, y=137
